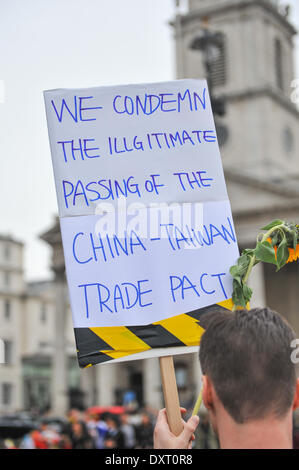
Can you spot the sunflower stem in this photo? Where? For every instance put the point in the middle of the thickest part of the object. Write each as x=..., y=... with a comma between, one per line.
x=249, y=269
x=198, y=403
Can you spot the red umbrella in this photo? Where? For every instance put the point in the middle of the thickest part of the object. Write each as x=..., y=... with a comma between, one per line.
x=96, y=410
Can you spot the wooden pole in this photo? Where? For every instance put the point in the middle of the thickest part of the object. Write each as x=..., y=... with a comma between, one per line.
x=171, y=396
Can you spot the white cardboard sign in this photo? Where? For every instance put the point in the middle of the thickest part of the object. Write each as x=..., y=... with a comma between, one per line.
x=149, y=143
x=127, y=279
x=145, y=217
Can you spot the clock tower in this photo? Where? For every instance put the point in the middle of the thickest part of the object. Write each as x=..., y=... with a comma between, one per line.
x=253, y=69
x=247, y=46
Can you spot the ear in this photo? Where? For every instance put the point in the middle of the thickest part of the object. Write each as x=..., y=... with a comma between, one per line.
x=207, y=393
x=296, y=397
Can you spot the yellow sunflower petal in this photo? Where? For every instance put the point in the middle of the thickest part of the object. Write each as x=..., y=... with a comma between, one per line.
x=293, y=254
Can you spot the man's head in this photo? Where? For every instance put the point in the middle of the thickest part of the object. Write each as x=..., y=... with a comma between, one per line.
x=245, y=357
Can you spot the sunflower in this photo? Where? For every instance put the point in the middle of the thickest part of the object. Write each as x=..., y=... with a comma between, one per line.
x=283, y=237
x=293, y=254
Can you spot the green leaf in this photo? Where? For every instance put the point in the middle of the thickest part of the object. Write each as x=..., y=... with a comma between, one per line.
x=241, y=294
x=243, y=262
x=235, y=273
x=275, y=239
x=282, y=254
x=238, y=270
x=238, y=296
x=247, y=293
x=273, y=224
x=265, y=252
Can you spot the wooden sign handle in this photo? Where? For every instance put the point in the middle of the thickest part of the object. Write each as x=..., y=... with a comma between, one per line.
x=171, y=396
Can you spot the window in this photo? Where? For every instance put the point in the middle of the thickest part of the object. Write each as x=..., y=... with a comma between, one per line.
x=7, y=309
x=288, y=140
x=279, y=64
x=218, y=64
x=181, y=373
x=7, y=393
x=2, y=352
x=6, y=252
x=43, y=313
x=8, y=351
x=6, y=279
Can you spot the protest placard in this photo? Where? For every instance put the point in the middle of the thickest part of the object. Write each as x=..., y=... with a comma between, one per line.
x=146, y=222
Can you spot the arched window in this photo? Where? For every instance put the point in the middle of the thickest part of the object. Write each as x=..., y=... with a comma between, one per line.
x=218, y=64
x=279, y=64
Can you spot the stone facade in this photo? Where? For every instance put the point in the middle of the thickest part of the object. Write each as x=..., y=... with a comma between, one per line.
x=261, y=150
x=27, y=326
x=11, y=308
x=261, y=121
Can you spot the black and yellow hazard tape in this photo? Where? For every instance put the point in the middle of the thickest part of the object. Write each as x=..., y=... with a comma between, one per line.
x=101, y=344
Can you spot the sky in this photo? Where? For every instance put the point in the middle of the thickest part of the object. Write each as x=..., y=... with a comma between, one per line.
x=46, y=44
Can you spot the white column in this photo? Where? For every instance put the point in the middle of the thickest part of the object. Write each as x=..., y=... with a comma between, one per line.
x=257, y=283
x=88, y=385
x=59, y=384
x=106, y=382
x=152, y=391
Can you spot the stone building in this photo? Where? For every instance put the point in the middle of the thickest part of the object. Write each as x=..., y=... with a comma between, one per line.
x=252, y=69
x=11, y=306
x=38, y=346
x=27, y=337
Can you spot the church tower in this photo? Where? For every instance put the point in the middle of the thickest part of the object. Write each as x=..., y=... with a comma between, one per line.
x=253, y=70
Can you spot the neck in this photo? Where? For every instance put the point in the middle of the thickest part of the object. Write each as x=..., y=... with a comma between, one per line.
x=267, y=433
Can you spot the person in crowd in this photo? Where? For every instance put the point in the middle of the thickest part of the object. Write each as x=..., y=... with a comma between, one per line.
x=74, y=419
x=51, y=437
x=250, y=387
x=144, y=432
x=91, y=425
x=27, y=442
x=35, y=440
x=128, y=432
x=205, y=438
x=64, y=442
x=114, y=438
x=102, y=429
x=80, y=439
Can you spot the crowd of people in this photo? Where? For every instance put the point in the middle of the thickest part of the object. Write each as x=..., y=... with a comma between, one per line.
x=85, y=430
